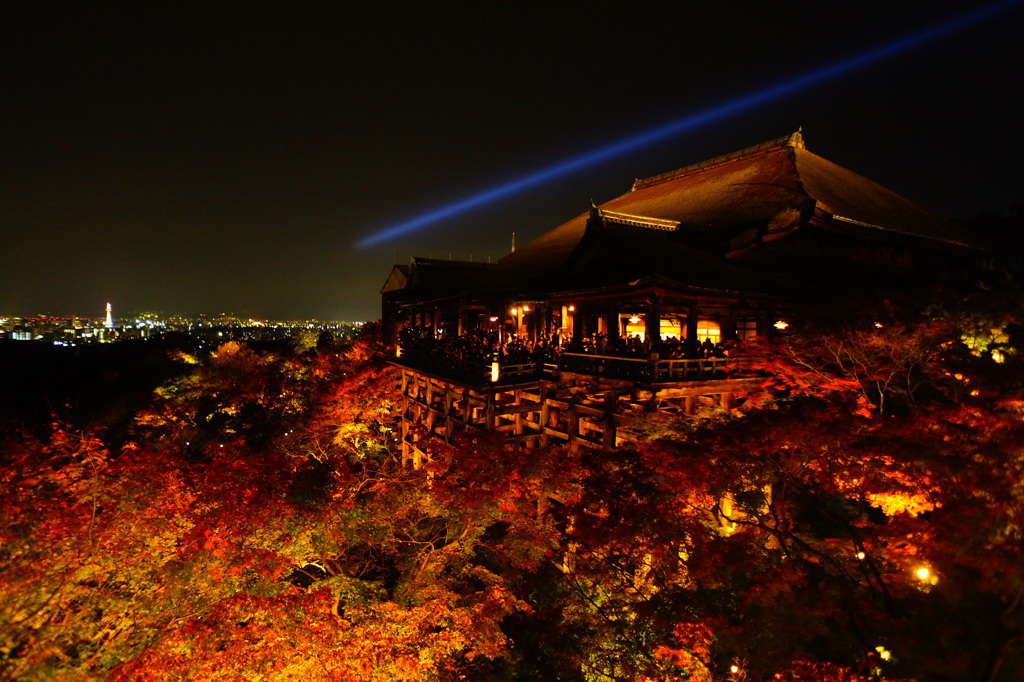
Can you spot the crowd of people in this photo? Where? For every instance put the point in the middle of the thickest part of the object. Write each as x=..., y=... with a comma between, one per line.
x=479, y=347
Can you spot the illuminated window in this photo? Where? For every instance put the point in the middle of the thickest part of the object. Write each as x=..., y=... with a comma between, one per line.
x=635, y=325
x=671, y=327
x=709, y=329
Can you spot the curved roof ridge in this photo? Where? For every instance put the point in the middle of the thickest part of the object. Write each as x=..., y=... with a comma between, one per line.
x=795, y=140
x=851, y=198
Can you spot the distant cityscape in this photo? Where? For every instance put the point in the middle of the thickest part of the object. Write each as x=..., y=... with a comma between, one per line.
x=110, y=327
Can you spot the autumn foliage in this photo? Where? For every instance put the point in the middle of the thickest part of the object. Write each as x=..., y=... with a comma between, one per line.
x=860, y=518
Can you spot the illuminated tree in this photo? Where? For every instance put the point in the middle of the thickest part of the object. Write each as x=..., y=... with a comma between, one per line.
x=261, y=525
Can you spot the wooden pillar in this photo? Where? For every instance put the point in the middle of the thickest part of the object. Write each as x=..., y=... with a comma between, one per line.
x=489, y=417
x=578, y=323
x=448, y=401
x=517, y=421
x=405, y=430
x=545, y=415
x=611, y=402
x=691, y=323
x=728, y=325
x=652, y=321
x=429, y=421
x=612, y=322
x=572, y=426
x=727, y=400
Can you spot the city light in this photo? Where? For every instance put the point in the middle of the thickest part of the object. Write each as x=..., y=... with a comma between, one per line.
x=82, y=331
x=690, y=122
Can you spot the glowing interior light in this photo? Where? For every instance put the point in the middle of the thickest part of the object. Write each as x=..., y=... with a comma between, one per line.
x=493, y=319
x=781, y=324
x=572, y=309
x=514, y=311
x=634, y=319
x=923, y=573
x=691, y=121
x=526, y=308
x=878, y=325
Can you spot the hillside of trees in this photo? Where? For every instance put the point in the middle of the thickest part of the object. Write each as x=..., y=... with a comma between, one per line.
x=860, y=518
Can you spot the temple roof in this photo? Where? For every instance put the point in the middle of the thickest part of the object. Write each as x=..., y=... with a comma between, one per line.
x=434, y=279
x=620, y=249
x=775, y=183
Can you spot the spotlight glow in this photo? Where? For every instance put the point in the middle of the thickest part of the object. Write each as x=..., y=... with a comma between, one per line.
x=691, y=121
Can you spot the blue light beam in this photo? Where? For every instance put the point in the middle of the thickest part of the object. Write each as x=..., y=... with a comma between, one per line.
x=690, y=122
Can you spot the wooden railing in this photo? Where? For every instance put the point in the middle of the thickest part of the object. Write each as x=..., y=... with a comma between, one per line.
x=652, y=369
x=472, y=370
x=642, y=369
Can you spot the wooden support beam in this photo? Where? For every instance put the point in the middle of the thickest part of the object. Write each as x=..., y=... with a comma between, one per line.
x=448, y=399
x=489, y=416
x=572, y=423
x=544, y=417
x=611, y=401
x=581, y=412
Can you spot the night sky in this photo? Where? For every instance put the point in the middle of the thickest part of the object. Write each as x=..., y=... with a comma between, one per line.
x=228, y=158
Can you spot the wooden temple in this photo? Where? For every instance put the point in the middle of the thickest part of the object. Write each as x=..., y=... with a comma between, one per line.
x=718, y=252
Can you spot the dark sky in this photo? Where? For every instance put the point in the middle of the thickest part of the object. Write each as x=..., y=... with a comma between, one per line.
x=229, y=157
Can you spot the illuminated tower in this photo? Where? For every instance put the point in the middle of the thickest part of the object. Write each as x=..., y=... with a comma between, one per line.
x=109, y=322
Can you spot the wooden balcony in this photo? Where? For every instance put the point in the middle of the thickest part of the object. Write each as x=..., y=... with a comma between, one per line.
x=644, y=370
x=578, y=401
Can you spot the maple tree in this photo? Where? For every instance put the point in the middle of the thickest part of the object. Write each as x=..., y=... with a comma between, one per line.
x=850, y=522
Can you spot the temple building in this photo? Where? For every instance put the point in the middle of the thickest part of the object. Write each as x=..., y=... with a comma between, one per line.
x=724, y=250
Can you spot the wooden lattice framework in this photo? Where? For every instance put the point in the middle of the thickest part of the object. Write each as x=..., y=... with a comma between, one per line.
x=578, y=410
